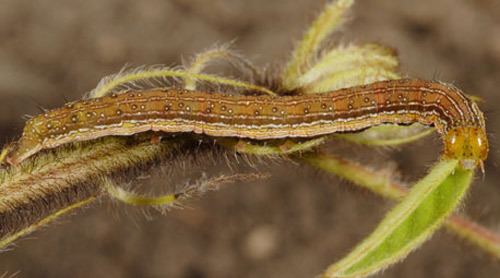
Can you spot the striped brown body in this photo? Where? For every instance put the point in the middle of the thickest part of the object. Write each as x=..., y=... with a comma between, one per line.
x=261, y=117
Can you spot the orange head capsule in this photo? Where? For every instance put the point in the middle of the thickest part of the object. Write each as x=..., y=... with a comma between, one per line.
x=467, y=144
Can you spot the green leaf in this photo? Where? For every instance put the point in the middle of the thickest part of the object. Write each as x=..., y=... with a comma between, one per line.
x=330, y=19
x=409, y=224
x=388, y=135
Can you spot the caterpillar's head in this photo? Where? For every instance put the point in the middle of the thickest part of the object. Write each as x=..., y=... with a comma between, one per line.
x=469, y=145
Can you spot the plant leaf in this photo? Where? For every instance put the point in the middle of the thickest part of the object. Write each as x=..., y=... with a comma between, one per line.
x=330, y=19
x=351, y=57
x=409, y=224
x=388, y=135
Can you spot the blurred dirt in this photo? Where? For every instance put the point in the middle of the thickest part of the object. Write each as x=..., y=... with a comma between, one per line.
x=292, y=225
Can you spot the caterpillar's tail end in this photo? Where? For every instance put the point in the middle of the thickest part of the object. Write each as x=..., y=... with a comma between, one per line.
x=5, y=154
x=469, y=145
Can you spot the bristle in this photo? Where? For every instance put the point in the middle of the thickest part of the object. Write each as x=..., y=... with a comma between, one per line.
x=119, y=82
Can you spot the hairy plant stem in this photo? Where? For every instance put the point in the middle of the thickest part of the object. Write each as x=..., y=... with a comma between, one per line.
x=55, y=181
x=381, y=184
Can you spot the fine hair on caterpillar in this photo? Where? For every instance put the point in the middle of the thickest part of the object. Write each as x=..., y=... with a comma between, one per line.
x=264, y=117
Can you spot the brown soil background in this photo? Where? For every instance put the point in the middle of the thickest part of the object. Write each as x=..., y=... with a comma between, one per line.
x=292, y=225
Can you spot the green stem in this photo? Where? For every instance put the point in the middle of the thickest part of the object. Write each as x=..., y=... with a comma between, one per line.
x=380, y=183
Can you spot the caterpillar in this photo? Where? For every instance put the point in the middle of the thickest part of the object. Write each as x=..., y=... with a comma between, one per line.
x=262, y=117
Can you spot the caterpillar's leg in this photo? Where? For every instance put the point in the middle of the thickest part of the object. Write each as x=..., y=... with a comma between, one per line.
x=155, y=138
